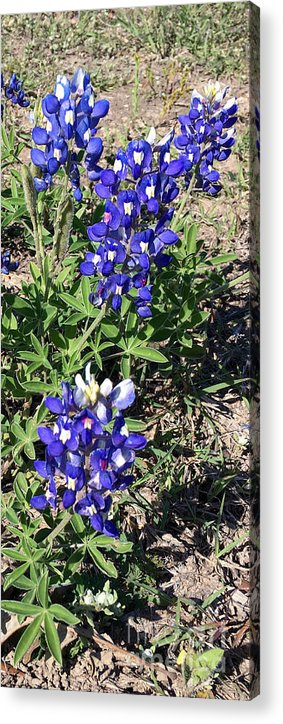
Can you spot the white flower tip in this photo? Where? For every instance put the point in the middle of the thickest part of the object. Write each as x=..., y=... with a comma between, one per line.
x=87, y=372
x=151, y=137
x=106, y=387
x=80, y=383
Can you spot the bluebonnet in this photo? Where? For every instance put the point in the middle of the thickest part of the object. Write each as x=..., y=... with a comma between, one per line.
x=164, y=148
x=102, y=398
x=207, y=135
x=13, y=91
x=7, y=265
x=129, y=207
x=139, y=157
x=133, y=237
x=133, y=233
x=70, y=119
x=85, y=464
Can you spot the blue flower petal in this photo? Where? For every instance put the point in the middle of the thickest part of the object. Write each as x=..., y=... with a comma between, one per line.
x=87, y=268
x=39, y=502
x=123, y=395
x=38, y=157
x=69, y=498
x=40, y=136
x=46, y=435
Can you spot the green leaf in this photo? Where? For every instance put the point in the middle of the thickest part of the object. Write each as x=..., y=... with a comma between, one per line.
x=198, y=317
x=223, y=385
x=35, y=271
x=104, y=541
x=12, y=516
x=149, y=353
x=135, y=425
x=24, y=609
x=74, y=561
x=101, y=562
x=37, y=554
x=42, y=590
x=18, y=431
x=77, y=523
x=187, y=308
x=36, y=344
x=27, y=598
x=14, y=554
x=25, y=584
x=20, y=487
x=126, y=366
x=49, y=313
x=131, y=323
x=73, y=302
x=75, y=318
x=222, y=259
x=52, y=638
x=21, y=305
x=109, y=330
x=85, y=287
x=29, y=450
x=30, y=356
x=38, y=386
x=191, y=238
x=232, y=545
x=62, y=614
x=58, y=339
x=11, y=577
x=27, y=638
x=201, y=667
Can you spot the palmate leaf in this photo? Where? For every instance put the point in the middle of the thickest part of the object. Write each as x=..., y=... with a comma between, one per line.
x=52, y=638
x=27, y=638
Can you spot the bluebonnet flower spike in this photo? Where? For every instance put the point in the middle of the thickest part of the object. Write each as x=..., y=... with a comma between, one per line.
x=89, y=461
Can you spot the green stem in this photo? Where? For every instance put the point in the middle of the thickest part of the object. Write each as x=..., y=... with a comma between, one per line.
x=183, y=204
x=40, y=243
x=59, y=527
x=57, y=221
x=37, y=244
x=89, y=331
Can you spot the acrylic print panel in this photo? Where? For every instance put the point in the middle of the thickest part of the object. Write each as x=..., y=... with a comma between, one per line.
x=130, y=217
